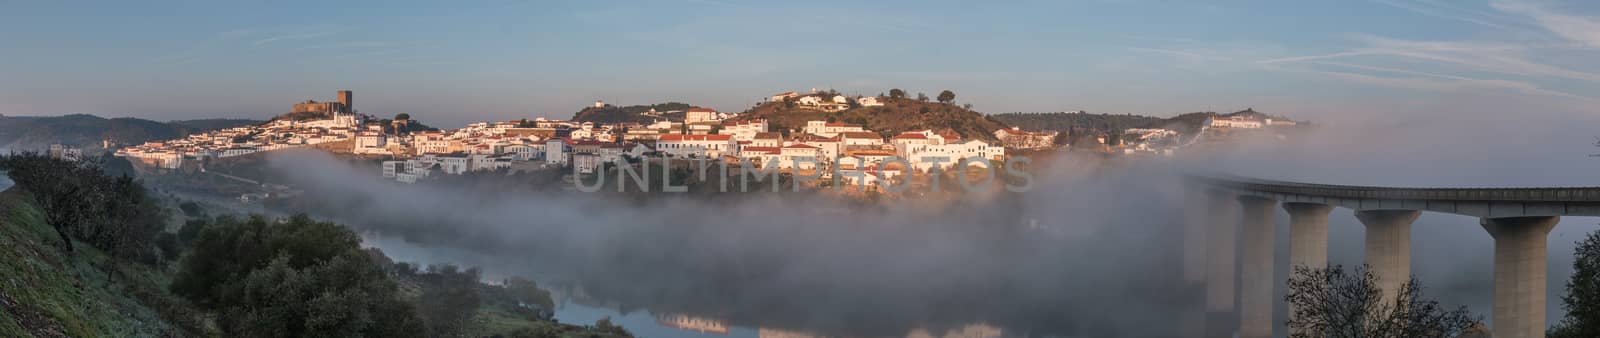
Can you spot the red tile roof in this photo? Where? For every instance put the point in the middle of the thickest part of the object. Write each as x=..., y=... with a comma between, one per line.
x=859, y=134
x=681, y=137
x=760, y=150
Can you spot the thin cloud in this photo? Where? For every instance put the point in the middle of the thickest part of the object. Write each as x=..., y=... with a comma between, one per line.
x=1450, y=12
x=293, y=36
x=1183, y=53
x=1502, y=58
x=1584, y=29
x=1435, y=82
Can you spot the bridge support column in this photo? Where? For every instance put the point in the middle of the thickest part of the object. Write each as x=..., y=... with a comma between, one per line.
x=1308, y=237
x=1196, y=223
x=1519, y=274
x=1389, y=247
x=1256, y=254
x=1221, y=255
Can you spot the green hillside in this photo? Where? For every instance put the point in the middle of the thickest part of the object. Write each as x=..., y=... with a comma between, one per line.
x=615, y=114
x=47, y=293
x=895, y=116
x=83, y=254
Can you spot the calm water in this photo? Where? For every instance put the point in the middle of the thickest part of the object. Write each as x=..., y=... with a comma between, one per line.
x=574, y=307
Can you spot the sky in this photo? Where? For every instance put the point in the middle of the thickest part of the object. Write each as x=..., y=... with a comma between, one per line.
x=453, y=63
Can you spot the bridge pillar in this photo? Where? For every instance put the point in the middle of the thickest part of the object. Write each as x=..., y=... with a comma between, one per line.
x=1519, y=274
x=1196, y=223
x=1389, y=247
x=1221, y=255
x=1308, y=236
x=1256, y=254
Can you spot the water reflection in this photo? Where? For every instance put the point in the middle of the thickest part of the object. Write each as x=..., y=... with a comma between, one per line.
x=693, y=323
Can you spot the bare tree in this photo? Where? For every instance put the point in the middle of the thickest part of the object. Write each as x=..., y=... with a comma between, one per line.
x=1332, y=303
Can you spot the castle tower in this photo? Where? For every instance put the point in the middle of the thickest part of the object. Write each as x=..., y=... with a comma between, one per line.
x=345, y=100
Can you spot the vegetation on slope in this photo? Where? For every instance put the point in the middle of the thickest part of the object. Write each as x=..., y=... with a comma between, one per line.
x=615, y=114
x=1079, y=122
x=82, y=130
x=46, y=292
x=898, y=114
x=224, y=276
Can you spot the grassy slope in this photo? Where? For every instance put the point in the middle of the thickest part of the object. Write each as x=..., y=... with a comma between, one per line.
x=49, y=294
x=46, y=293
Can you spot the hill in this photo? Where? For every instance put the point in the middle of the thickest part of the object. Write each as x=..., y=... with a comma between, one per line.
x=132, y=264
x=203, y=125
x=615, y=114
x=895, y=116
x=86, y=294
x=1186, y=123
x=1066, y=122
x=82, y=130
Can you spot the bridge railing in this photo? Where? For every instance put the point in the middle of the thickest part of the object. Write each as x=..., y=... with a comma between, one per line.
x=1552, y=194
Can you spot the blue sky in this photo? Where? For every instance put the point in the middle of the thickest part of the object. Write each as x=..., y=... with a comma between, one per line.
x=481, y=60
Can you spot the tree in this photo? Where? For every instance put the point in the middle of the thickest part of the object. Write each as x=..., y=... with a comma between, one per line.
x=922, y=97
x=1582, y=300
x=947, y=96
x=81, y=202
x=449, y=299
x=402, y=116
x=604, y=325
x=896, y=93
x=292, y=278
x=1330, y=302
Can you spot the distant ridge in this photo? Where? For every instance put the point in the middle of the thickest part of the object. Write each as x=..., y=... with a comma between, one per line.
x=87, y=131
x=1066, y=122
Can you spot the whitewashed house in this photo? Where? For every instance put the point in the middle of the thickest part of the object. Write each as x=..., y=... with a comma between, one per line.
x=713, y=146
x=830, y=129
x=555, y=151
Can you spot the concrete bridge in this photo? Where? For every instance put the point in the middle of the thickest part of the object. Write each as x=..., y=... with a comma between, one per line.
x=1232, y=224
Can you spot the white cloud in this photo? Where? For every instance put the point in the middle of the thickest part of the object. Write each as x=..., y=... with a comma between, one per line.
x=1583, y=29
x=1452, y=12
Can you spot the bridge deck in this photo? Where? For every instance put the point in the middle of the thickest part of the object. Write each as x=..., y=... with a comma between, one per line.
x=1481, y=202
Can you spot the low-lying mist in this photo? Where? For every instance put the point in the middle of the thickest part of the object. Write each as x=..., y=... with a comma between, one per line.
x=1091, y=249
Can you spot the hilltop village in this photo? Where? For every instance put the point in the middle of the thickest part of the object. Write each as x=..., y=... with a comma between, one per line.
x=410, y=152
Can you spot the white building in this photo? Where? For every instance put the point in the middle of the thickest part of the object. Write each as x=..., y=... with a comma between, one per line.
x=371, y=143
x=800, y=156
x=869, y=101
x=1243, y=122
x=1016, y=138
x=783, y=96
x=743, y=131
x=698, y=114
x=860, y=138
x=585, y=163
x=830, y=129
x=556, y=150
x=924, y=157
x=525, y=152
x=455, y=164
x=713, y=146
x=393, y=168
x=827, y=148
